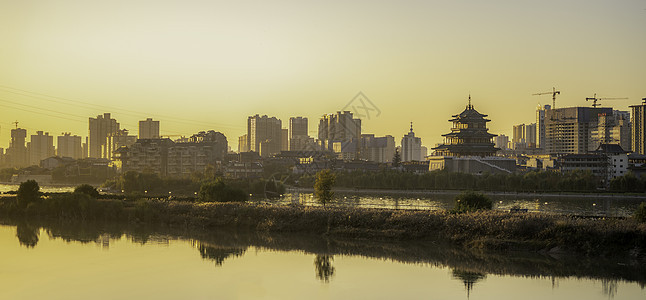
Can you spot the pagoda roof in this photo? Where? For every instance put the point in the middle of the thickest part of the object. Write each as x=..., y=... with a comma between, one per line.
x=470, y=147
x=463, y=133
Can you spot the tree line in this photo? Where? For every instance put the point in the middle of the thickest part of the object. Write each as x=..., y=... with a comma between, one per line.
x=533, y=181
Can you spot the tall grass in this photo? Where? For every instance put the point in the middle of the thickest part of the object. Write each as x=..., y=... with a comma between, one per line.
x=482, y=229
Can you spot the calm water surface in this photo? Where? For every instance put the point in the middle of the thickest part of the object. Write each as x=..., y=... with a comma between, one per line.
x=110, y=262
x=588, y=205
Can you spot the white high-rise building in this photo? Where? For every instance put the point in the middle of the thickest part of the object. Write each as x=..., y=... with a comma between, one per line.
x=411, y=146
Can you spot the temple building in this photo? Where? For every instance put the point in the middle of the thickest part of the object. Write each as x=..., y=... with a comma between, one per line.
x=469, y=148
x=469, y=136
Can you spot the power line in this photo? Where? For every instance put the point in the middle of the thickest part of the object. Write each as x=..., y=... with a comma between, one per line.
x=87, y=105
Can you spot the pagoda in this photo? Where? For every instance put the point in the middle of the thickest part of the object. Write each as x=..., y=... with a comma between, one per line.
x=469, y=136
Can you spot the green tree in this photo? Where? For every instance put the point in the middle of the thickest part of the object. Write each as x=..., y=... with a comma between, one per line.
x=325, y=180
x=471, y=201
x=28, y=192
x=219, y=191
x=397, y=158
x=88, y=190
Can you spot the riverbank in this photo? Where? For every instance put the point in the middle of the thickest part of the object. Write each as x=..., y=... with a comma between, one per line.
x=497, y=230
x=489, y=193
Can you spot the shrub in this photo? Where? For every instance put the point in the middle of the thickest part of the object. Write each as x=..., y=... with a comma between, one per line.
x=28, y=192
x=640, y=214
x=218, y=191
x=471, y=201
x=88, y=190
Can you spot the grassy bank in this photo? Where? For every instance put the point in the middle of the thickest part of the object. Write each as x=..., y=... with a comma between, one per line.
x=480, y=230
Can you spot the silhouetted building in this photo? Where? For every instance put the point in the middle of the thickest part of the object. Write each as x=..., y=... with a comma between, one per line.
x=284, y=139
x=501, y=141
x=299, y=138
x=118, y=139
x=242, y=144
x=149, y=129
x=377, y=149
x=611, y=129
x=411, y=147
x=265, y=130
x=99, y=130
x=638, y=128
x=17, y=155
x=69, y=146
x=540, y=125
x=569, y=130
x=339, y=128
x=468, y=137
x=40, y=147
x=524, y=136
x=171, y=159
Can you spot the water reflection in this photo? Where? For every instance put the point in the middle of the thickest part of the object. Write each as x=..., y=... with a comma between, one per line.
x=584, y=204
x=469, y=278
x=216, y=253
x=324, y=268
x=471, y=268
x=28, y=235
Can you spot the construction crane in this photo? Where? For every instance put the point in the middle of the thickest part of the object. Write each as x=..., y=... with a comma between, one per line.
x=595, y=99
x=554, y=92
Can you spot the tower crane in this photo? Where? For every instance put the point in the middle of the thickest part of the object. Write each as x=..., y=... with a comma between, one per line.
x=554, y=92
x=595, y=99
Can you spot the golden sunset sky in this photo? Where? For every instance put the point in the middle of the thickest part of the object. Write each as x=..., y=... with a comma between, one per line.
x=202, y=65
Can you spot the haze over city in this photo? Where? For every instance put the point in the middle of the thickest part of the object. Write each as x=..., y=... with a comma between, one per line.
x=205, y=65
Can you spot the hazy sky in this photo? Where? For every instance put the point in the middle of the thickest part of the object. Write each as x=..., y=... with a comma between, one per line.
x=201, y=65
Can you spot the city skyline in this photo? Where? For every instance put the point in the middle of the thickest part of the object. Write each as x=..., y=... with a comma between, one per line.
x=194, y=67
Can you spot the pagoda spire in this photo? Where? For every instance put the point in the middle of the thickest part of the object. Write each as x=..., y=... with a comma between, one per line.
x=469, y=106
x=411, y=126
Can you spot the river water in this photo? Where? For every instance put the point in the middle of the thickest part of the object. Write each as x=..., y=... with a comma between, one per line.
x=587, y=204
x=82, y=261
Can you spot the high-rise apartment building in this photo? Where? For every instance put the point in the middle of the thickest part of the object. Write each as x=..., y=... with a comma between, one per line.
x=40, y=147
x=612, y=129
x=264, y=130
x=299, y=138
x=242, y=144
x=149, y=129
x=99, y=130
x=377, y=149
x=540, y=125
x=501, y=141
x=17, y=155
x=118, y=139
x=569, y=130
x=638, y=128
x=341, y=127
x=411, y=146
x=69, y=146
x=284, y=139
x=524, y=136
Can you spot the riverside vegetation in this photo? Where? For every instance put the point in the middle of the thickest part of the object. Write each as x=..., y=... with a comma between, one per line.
x=471, y=227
